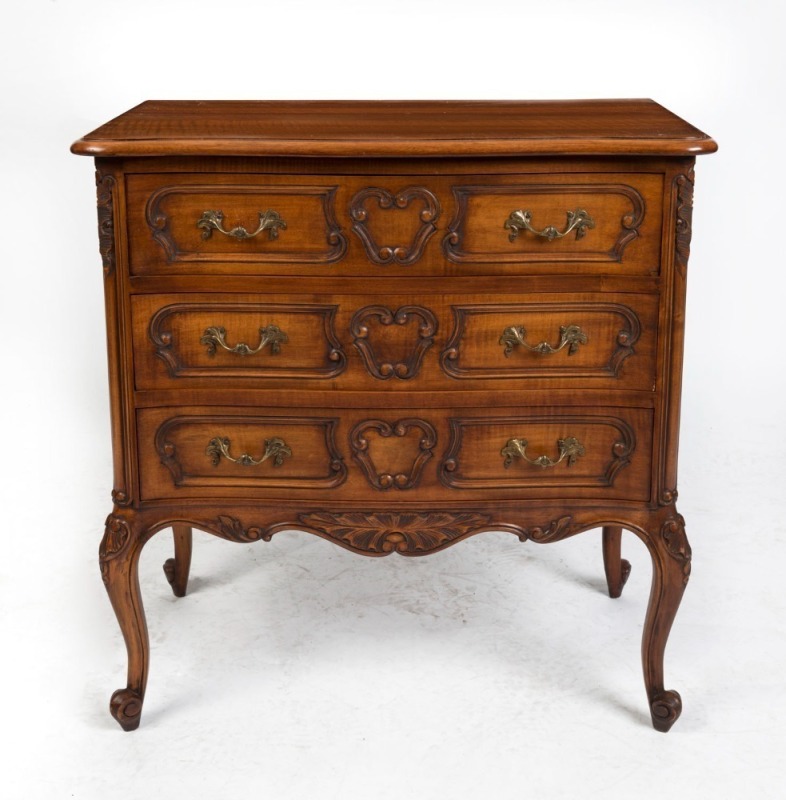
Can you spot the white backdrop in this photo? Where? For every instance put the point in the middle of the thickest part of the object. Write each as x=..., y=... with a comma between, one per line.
x=294, y=669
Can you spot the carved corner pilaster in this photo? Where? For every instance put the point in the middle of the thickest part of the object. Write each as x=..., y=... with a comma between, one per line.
x=105, y=186
x=683, y=185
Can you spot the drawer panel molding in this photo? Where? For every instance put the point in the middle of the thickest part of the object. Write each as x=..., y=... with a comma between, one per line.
x=599, y=358
x=397, y=252
x=503, y=237
x=196, y=451
x=481, y=455
x=377, y=358
x=176, y=328
x=182, y=219
x=399, y=460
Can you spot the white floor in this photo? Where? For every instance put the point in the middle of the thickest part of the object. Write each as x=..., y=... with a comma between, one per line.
x=297, y=670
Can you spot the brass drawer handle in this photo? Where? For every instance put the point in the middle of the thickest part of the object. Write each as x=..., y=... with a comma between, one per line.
x=570, y=336
x=275, y=448
x=269, y=221
x=578, y=220
x=569, y=448
x=270, y=335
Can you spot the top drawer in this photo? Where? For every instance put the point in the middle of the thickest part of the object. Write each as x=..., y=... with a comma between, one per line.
x=359, y=225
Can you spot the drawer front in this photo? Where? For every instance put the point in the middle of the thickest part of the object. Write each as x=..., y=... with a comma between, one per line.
x=225, y=340
x=405, y=454
x=579, y=341
x=215, y=451
x=569, y=452
x=439, y=225
x=410, y=342
x=562, y=223
x=183, y=223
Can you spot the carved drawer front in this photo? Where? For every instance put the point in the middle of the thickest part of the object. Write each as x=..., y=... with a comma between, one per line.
x=199, y=337
x=220, y=453
x=569, y=452
x=607, y=223
x=186, y=223
x=598, y=338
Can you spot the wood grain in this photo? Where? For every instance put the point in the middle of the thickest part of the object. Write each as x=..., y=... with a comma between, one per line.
x=417, y=344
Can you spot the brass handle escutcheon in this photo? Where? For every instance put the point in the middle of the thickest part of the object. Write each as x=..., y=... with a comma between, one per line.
x=269, y=335
x=570, y=448
x=269, y=221
x=579, y=221
x=275, y=448
x=570, y=336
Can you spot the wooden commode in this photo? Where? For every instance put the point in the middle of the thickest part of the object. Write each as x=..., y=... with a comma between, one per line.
x=395, y=325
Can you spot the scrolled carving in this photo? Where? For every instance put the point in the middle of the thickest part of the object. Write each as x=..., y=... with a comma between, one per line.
x=406, y=532
x=117, y=535
x=556, y=529
x=120, y=497
x=397, y=253
x=385, y=480
x=105, y=186
x=232, y=528
x=384, y=369
x=683, y=186
x=673, y=533
x=126, y=707
x=665, y=708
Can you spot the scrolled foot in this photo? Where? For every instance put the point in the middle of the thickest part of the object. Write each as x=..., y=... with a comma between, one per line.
x=126, y=707
x=171, y=575
x=624, y=575
x=665, y=708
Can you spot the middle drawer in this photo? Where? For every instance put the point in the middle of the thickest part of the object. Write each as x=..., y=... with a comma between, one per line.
x=429, y=342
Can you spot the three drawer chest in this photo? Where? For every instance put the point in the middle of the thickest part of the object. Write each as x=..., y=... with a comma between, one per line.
x=395, y=325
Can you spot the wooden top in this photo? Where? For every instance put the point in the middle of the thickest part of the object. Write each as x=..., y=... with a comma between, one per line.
x=395, y=128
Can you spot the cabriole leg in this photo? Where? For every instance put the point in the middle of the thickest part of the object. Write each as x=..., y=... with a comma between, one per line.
x=617, y=568
x=119, y=560
x=176, y=569
x=671, y=563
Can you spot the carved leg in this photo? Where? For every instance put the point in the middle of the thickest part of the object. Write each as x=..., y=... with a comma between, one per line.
x=176, y=569
x=119, y=559
x=671, y=556
x=617, y=568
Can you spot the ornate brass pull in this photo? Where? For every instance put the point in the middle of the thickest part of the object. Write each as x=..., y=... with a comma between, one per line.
x=275, y=448
x=270, y=335
x=578, y=220
x=570, y=336
x=570, y=448
x=269, y=221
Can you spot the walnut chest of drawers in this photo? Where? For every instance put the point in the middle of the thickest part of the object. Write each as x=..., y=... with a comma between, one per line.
x=395, y=326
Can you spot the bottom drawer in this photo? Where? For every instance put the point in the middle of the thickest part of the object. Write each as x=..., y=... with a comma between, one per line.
x=406, y=455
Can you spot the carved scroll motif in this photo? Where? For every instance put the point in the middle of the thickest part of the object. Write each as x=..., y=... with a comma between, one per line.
x=394, y=253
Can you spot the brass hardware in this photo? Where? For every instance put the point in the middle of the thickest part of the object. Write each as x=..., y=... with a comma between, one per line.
x=578, y=220
x=570, y=336
x=569, y=448
x=275, y=448
x=270, y=335
x=269, y=221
